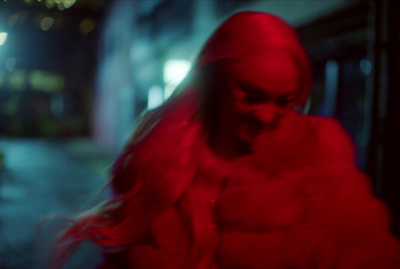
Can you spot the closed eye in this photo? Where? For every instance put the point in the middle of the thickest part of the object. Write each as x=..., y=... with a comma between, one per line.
x=253, y=95
x=285, y=102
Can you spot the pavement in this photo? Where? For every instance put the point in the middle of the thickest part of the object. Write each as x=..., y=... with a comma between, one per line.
x=39, y=178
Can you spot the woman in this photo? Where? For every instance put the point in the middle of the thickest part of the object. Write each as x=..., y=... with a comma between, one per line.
x=227, y=174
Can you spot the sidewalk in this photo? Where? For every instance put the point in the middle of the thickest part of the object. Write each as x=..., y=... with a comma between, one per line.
x=39, y=178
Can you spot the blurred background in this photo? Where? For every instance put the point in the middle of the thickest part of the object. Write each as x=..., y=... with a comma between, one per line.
x=75, y=74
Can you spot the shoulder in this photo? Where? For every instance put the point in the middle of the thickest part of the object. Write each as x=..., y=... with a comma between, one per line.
x=334, y=141
x=331, y=141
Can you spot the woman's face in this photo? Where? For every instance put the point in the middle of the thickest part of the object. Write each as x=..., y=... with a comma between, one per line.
x=256, y=93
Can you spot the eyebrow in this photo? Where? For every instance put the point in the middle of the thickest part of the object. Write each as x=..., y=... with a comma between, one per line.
x=249, y=87
x=289, y=94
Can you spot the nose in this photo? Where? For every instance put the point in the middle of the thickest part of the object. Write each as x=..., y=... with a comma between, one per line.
x=266, y=113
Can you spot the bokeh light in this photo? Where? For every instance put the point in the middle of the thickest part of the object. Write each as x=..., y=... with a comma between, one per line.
x=174, y=72
x=17, y=80
x=86, y=26
x=46, y=23
x=3, y=38
x=50, y=3
x=12, y=20
x=61, y=6
x=46, y=81
x=68, y=3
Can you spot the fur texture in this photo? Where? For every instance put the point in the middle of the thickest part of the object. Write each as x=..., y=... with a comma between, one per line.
x=313, y=209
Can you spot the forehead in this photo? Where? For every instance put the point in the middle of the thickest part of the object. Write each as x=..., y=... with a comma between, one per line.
x=274, y=72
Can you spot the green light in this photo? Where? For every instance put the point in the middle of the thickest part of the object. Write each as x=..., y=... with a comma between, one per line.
x=46, y=81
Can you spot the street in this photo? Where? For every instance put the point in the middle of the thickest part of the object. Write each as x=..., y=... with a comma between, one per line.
x=40, y=178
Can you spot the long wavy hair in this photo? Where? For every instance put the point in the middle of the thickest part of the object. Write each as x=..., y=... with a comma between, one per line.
x=120, y=223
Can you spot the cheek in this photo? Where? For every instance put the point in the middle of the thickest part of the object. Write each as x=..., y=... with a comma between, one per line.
x=234, y=106
x=240, y=105
x=282, y=112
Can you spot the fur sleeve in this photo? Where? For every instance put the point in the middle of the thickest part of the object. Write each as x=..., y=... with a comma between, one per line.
x=334, y=144
x=341, y=202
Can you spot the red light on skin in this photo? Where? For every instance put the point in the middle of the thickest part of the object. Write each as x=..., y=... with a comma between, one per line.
x=257, y=93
